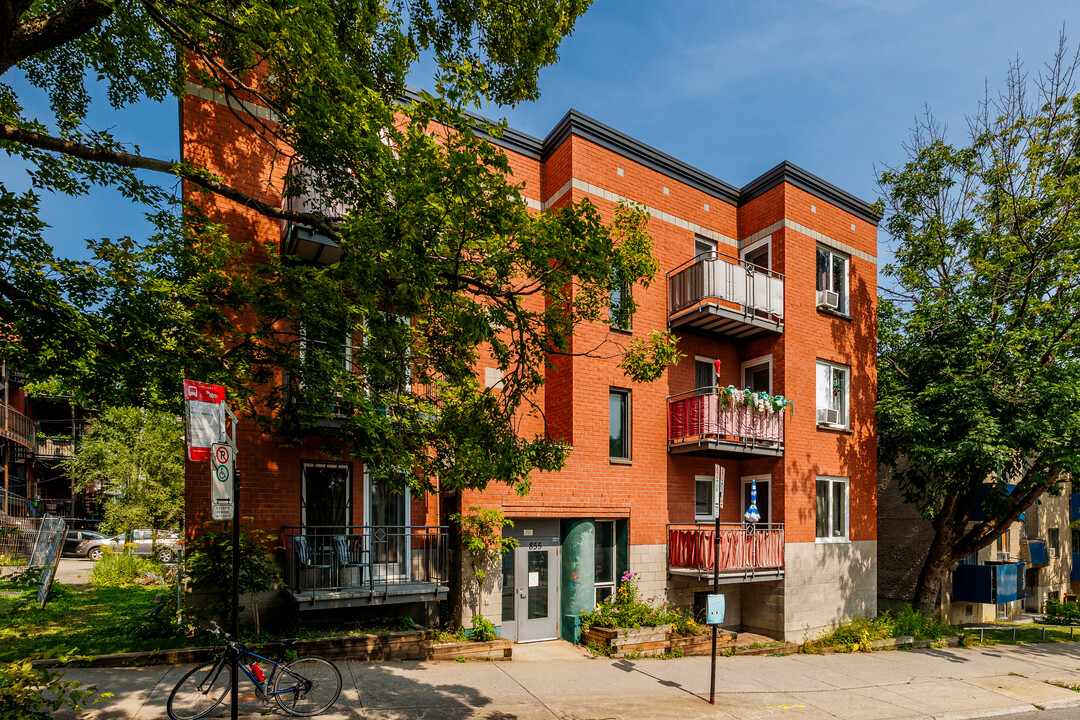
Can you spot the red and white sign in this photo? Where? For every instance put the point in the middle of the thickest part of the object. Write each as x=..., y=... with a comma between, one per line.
x=222, y=481
x=205, y=406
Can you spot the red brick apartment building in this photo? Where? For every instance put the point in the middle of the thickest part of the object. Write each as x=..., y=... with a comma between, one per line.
x=776, y=280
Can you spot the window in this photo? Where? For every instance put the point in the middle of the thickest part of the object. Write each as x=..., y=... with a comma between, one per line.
x=325, y=496
x=1053, y=541
x=832, y=280
x=757, y=374
x=619, y=424
x=756, y=257
x=704, y=246
x=832, y=509
x=704, y=375
x=605, y=560
x=1074, y=540
x=832, y=394
x=703, y=498
x=619, y=298
x=764, y=504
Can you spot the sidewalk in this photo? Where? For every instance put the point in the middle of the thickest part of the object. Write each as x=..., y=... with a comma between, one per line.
x=557, y=681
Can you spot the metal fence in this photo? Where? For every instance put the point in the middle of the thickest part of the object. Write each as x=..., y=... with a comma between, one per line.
x=375, y=558
x=27, y=542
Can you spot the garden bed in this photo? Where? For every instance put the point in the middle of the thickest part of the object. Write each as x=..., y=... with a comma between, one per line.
x=498, y=649
x=653, y=640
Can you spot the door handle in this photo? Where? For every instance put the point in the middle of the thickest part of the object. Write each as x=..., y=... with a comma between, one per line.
x=522, y=594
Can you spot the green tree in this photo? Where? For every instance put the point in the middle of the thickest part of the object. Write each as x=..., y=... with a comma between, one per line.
x=435, y=230
x=978, y=375
x=135, y=457
x=485, y=544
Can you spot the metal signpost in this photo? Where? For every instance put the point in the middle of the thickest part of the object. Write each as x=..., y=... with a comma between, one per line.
x=211, y=435
x=711, y=616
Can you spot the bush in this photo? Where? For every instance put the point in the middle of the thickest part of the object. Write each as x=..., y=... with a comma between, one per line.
x=628, y=610
x=209, y=565
x=1062, y=613
x=483, y=630
x=116, y=569
x=29, y=693
x=859, y=632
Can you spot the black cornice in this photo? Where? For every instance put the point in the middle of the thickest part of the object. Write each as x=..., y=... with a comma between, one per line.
x=577, y=123
x=795, y=175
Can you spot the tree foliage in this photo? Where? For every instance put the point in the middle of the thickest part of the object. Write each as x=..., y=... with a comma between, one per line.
x=135, y=458
x=978, y=377
x=483, y=540
x=441, y=260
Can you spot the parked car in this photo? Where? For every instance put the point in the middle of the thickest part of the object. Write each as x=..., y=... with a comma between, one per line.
x=76, y=541
x=142, y=543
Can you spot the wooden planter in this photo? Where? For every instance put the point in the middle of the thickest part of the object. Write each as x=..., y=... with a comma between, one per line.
x=499, y=649
x=656, y=640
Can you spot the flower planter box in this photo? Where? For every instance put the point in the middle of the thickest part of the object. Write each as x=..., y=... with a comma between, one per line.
x=656, y=640
x=500, y=649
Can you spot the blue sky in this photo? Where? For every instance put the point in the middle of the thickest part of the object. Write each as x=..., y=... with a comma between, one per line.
x=732, y=88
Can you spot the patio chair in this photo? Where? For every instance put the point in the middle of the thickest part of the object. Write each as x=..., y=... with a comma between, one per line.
x=306, y=559
x=350, y=553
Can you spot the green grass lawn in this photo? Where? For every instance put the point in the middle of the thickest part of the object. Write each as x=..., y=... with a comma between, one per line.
x=1024, y=634
x=90, y=621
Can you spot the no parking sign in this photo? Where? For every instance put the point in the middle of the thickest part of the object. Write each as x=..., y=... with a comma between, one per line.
x=222, y=476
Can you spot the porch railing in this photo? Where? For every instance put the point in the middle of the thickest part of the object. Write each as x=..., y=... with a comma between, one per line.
x=16, y=426
x=699, y=415
x=690, y=547
x=714, y=275
x=376, y=558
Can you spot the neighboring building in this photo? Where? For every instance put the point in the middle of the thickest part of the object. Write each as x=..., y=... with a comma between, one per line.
x=776, y=280
x=1031, y=562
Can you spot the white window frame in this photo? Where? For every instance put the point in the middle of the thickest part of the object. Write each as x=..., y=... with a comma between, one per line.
x=834, y=481
x=749, y=249
x=710, y=361
x=845, y=420
x=757, y=361
x=704, y=240
x=704, y=479
x=742, y=495
x=845, y=292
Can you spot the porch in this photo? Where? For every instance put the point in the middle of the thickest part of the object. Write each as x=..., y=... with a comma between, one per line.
x=746, y=554
x=718, y=295
x=364, y=565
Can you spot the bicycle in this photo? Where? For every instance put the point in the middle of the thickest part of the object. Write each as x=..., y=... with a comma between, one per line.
x=305, y=686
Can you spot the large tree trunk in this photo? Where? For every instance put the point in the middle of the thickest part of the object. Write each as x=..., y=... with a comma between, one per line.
x=455, y=587
x=938, y=564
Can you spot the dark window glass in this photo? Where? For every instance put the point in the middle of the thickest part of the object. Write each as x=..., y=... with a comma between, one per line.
x=619, y=423
x=822, y=508
x=762, y=499
x=756, y=378
x=703, y=498
x=704, y=376
x=605, y=552
x=508, y=594
x=326, y=497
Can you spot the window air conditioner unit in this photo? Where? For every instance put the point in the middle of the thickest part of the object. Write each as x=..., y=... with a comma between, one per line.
x=828, y=299
x=828, y=416
x=1003, y=557
x=1051, y=552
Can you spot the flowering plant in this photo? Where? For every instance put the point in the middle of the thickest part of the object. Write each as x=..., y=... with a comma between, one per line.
x=760, y=401
x=627, y=609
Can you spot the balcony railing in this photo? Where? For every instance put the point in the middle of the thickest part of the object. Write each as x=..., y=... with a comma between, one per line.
x=307, y=243
x=16, y=427
x=718, y=294
x=992, y=583
x=702, y=422
x=744, y=552
x=365, y=564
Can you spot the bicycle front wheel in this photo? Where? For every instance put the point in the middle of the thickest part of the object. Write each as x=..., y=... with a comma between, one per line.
x=307, y=686
x=199, y=692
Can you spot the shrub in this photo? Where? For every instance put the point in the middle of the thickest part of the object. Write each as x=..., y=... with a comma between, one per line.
x=116, y=569
x=29, y=693
x=1062, y=613
x=857, y=633
x=628, y=610
x=483, y=630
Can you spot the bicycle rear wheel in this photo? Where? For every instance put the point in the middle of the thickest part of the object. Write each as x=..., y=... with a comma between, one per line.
x=199, y=692
x=307, y=686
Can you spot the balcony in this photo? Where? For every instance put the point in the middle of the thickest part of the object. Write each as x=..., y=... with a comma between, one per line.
x=992, y=583
x=719, y=295
x=362, y=565
x=1037, y=556
x=702, y=422
x=745, y=556
x=17, y=427
x=305, y=242
x=58, y=447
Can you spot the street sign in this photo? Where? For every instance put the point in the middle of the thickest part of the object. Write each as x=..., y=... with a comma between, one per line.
x=714, y=609
x=222, y=477
x=205, y=414
x=718, y=490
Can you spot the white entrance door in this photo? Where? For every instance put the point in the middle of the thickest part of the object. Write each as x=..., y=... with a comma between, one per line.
x=536, y=590
x=387, y=515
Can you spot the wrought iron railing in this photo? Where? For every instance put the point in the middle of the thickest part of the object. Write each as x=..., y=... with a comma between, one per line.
x=716, y=276
x=16, y=426
x=703, y=415
x=375, y=558
x=742, y=547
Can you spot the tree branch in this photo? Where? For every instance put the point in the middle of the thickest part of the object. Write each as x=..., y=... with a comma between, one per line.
x=193, y=175
x=44, y=32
